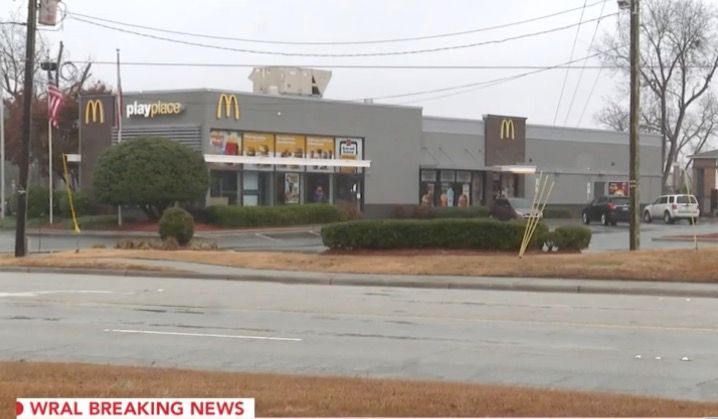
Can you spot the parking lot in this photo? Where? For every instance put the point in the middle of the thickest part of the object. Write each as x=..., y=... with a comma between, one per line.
x=605, y=238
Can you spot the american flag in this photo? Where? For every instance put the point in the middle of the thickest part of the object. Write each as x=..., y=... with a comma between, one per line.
x=55, y=101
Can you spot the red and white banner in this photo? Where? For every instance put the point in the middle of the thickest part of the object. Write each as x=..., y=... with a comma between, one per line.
x=134, y=408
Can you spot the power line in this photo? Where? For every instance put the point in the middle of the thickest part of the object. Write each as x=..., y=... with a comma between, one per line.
x=366, y=42
x=363, y=66
x=580, y=75
x=478, y=85
x=345, y=66
x=340, y=55
x=573, y=49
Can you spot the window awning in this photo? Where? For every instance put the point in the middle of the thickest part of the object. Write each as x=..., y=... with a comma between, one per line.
x=285, y=161
x=288, y=161
x=513, y=168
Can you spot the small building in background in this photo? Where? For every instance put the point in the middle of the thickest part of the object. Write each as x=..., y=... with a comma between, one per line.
x=705, y=173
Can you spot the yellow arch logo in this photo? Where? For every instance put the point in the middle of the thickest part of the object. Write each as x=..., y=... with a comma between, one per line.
x=508, y=132
x=95, y=109
x=226, y=103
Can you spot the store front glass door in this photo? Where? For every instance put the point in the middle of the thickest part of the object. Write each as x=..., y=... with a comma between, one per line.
x=318, y=188
x=256, y=188
x=349, y=190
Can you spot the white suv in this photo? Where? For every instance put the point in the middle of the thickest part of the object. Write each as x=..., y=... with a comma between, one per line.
x=671, y=208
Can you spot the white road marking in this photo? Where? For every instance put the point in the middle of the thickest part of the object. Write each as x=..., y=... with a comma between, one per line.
x=264, y=236
x=203, y=335
x=38, y=293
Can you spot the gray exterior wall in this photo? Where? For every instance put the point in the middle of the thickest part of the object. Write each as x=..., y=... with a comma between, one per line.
x=391, y=133
x=575, y=157
x=399, y=141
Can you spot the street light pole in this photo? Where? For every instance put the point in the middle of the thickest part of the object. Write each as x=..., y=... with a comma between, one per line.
x=633, y=171
x=20, y=233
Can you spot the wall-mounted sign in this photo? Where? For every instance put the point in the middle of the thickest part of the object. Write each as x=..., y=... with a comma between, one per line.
x=349, y=149
x=226, y=104
x=94, y=112
x=153, y=109
x=258, y=144
x=508, y=131
x=228, y=143
x=320, y=148
x=290, y=146
x=618, y=189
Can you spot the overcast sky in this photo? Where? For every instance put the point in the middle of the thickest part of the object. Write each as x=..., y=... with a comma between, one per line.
x=535, y=97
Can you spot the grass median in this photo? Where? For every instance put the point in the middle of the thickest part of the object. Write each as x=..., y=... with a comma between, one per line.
x=651, y=265
x=287, y=395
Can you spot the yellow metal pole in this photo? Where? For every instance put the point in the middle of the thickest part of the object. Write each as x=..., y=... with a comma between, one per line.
x=543, y=206
x=69, y=194
x=534, y=206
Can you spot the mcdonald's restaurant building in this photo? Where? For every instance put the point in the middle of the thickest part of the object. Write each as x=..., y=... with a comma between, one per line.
x=282, y=150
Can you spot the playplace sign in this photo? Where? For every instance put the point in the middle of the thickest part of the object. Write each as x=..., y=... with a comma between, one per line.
x=153, y=109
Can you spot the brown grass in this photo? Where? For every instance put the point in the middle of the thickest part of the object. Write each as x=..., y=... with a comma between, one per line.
x=283, y=395
x=63, y=261
x=654, y=265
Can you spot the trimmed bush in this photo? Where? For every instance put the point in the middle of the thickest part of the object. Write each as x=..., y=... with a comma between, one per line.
x=150, y=173
x=482, y=234
x=38, y=202
x=289, y=215
x=569, y=238
x=422, y=212
x=177, y=224
x=557, y=213
x=80, y=200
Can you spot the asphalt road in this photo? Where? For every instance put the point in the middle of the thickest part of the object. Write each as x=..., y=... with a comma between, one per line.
x=643, y=345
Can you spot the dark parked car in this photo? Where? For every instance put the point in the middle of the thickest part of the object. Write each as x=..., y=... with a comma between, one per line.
x=506, y=209
x=607, y=210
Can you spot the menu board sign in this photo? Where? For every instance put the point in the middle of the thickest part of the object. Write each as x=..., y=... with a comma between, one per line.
x=320, y=148
x=290, y=146
x=258, y=144
x=228, y=143
x=349, y=149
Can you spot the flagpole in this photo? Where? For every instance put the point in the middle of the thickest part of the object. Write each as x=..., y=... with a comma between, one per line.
x=118, y=113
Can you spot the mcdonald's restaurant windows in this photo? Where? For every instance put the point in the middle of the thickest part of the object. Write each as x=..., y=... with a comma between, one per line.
x=225, y=142
x=224, y=186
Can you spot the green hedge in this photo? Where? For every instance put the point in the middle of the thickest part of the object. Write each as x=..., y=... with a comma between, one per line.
x=178, y=224
x=483, y=234
x=289, y=215
x=557, y=212
x=81, y=202
x=569, y=238
x=421, y=212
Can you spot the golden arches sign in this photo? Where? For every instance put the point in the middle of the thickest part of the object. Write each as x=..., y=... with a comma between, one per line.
x=508, y=131
x=227, y=103
x=95, y=109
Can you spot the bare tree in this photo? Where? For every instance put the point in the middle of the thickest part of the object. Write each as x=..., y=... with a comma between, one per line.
x=679, y=56
x=12, y=54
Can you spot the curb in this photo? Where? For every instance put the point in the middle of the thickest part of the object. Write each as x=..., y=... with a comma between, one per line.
x=684, y=239
x=659, y=289
x=154, y=235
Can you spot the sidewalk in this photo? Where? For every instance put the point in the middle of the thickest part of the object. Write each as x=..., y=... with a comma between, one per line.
x=580, y=286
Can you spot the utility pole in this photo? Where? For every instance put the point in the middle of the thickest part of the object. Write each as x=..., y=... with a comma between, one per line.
x=633, y=172
x=3, y=207
x=20, y=233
